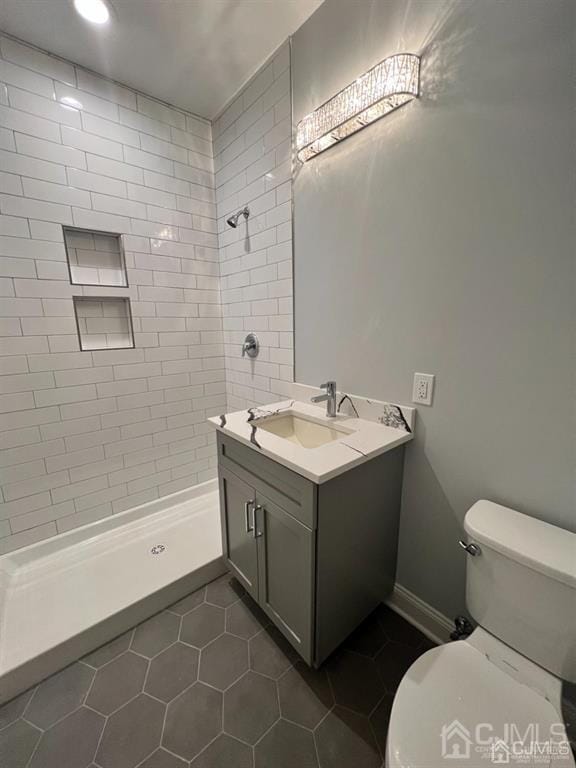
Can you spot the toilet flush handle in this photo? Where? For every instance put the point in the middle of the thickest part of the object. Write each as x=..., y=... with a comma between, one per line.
x=472, y=549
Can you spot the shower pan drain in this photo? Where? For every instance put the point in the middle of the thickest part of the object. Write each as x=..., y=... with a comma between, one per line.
x=157, y=549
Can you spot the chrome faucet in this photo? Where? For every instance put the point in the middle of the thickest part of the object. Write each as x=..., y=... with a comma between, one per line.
x=329, y=397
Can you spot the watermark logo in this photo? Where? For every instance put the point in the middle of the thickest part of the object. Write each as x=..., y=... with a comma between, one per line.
x=509, y=744
x=456, y=741
x=500, y=753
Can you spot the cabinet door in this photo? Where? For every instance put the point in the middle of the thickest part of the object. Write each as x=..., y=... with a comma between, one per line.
x=237, y=501
x=285, y=573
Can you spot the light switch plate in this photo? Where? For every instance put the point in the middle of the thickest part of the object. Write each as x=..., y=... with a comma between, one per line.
x=423, y=388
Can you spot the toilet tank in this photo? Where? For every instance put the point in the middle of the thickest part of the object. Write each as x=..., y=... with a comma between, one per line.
x=522, y=586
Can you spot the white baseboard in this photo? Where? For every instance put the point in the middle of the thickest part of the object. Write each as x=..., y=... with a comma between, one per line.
x=428, y=620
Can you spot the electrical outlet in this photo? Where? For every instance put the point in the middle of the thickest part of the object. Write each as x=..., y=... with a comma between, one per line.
x=423, y=388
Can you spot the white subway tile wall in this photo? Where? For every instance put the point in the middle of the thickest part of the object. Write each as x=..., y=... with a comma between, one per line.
x=252, y=162
x=85, y=434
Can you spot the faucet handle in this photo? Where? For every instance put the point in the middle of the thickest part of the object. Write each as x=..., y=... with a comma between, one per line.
x=329, y=386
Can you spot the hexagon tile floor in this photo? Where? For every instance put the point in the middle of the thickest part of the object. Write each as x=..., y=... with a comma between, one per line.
x=208, y=683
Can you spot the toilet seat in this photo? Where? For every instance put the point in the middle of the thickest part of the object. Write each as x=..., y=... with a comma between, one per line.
x=456, y=687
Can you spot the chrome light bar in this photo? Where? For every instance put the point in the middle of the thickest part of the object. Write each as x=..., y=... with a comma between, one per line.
x=384, y=88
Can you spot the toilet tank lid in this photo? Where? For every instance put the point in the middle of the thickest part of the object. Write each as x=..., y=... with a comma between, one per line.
x=534, y=543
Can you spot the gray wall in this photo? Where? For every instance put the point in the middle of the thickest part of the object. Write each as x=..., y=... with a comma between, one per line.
x=440, y=240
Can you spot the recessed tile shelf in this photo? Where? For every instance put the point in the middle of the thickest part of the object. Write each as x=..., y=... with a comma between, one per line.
x=104, y=323
x=95, y=258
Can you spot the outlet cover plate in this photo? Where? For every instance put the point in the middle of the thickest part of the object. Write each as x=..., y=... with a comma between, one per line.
x=423, y=388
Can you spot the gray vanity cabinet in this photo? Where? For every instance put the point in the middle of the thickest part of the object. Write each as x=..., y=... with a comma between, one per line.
x=316, y=558
x=285, y=563
x=271, y=554
x=238, y=500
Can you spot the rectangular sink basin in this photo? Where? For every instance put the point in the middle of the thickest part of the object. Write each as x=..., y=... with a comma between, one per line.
x=303, y=432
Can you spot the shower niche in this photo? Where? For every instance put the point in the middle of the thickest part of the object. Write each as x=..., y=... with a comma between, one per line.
x=103, y=323
x=96, y=260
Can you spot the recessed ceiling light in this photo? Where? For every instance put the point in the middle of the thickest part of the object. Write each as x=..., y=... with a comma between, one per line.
x=95, y=11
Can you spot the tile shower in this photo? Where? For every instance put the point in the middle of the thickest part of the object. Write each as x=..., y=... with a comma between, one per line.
x=112, y=210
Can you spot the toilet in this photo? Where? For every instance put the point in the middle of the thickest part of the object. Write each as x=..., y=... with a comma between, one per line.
x=495, y=698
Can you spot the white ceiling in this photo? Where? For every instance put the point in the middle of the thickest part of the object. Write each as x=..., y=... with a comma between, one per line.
x=195, y=54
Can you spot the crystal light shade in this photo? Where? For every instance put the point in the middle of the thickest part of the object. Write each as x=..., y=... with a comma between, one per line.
x=384, y=88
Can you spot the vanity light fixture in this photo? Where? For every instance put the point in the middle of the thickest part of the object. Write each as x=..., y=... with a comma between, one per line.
x=95, y=11
x=387, y=86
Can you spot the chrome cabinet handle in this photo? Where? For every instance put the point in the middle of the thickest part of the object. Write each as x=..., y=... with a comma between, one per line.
x=471, y=549
x=257, y=533
x=247, y=506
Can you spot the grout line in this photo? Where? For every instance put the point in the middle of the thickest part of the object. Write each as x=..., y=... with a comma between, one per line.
x=146, y=674
x=146, y=758
x=89, y=691
x=203, y=748
x=293, y=722
x=101, y=732
x=332, y=708
x=29, y=761
x=29, y=701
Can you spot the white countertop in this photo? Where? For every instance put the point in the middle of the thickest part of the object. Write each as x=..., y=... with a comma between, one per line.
x=365, y=440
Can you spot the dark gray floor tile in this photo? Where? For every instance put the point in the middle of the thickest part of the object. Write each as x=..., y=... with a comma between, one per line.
x=368, y=639
x=117, y=683
x=107, y=652
x=157, y=633
x=363, y=675
x=163, y=759
x=568, y=706
x=569, y=693
x=202, y=625
x=193, y=720
x=271, y=654
x=245, y=618
x=131, y=734
x=380, y=719
x=17, y=743
x=250, y=707
x=188, y=603
x=355, y=681
x=14, y=709
x=224, y=591
x=59, y=695
x=225, y=752
x=285, y=746
x=427, y=645
x=224, y=661
x=305, y=695
x=71, y=742
x=172, y=671
x=397, y=628
x=345, y=739
x=393, y=662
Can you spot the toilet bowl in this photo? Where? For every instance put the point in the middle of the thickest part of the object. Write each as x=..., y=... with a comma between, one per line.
x=495, y=698
x=456, y=706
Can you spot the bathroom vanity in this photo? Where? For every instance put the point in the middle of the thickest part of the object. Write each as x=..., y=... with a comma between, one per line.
x=309, y=511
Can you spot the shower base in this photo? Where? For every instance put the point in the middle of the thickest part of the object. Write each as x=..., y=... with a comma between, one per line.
x=62, y=598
